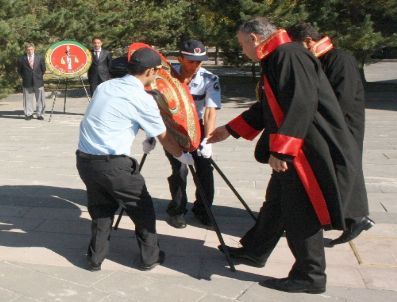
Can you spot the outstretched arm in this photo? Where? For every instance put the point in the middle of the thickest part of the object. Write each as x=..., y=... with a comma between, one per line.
x=169, y=144
x=218, y=135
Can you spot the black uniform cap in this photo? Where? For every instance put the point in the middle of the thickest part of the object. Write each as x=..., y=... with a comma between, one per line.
x=193, y=50
x=146, y=58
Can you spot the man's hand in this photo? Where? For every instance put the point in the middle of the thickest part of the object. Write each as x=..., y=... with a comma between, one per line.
x=148, y=144
x=278, y=165
x=218, y=135
x=185, y=158
x=205, y=149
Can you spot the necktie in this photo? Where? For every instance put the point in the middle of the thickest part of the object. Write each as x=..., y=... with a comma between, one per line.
x=97, y=54
x=31, y=61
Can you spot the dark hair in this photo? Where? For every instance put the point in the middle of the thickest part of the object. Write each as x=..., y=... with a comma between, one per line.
x=136, y=69
x=300, y=31
x=96, y=38
x=259, y=25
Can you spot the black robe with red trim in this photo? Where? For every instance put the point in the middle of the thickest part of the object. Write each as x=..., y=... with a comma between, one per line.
x=311, y=124
x=342, y=72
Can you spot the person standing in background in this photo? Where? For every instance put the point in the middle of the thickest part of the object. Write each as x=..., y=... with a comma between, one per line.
x=100, y=67
x=31, y=68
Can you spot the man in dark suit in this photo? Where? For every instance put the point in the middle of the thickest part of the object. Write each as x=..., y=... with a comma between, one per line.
x=31, y=68
x=101, y=61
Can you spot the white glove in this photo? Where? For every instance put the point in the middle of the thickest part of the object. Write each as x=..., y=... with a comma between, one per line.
x=205, y=150
x=186, y=158
x=148, y=144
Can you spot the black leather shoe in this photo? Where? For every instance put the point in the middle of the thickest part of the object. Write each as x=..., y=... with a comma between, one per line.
x=177, y=221
x=28, y=117
x=40, y=118
x=201, y=215
x=353, y=231
x=241, y=254
x=292, y=286
x=91, y=266
x=203, y=218
x=148, y=267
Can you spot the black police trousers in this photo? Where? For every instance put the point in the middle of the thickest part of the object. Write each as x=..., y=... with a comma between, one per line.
x=178, y=180
x=287, y=208
x=114, y=181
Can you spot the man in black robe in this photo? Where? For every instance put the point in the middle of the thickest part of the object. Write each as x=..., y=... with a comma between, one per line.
x=310, y=149
x=343, y=74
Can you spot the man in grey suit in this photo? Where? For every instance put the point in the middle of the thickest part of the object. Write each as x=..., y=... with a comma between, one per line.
x=31, y=68
x=99, y=69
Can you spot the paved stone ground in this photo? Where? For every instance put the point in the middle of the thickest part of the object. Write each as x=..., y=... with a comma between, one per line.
x=44, y=224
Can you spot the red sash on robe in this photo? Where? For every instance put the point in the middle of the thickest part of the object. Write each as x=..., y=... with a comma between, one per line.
x=292, y=145
x=322, y=47
x=301, y=164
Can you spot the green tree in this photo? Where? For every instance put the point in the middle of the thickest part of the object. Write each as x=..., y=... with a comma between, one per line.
x=222, y=18
x=19, y=23
x=359, y=26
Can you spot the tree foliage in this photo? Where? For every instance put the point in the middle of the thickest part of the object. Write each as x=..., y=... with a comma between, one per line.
x=360, y=26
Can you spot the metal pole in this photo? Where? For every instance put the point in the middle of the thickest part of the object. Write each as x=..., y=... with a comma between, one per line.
x=116, y=226
x=212, y=218
x=86, y=92
x=55, y=97
x=66, y=91
x=233, y=189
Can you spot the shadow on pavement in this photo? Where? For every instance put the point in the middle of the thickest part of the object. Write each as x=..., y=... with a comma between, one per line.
x=15, y=114
x=19, y=114
x=51, y=217
x=382, y=104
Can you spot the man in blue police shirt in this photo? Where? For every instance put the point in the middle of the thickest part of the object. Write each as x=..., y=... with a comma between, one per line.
x=120, y=107
x=205, y=89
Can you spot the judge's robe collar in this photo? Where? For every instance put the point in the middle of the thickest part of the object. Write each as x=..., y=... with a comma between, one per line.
x=322, y=47
x=278, y=38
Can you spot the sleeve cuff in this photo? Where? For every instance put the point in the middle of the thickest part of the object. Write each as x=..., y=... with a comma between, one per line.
x=232, y=133
x=283, y=144
x=240, y=127
x=284, y=157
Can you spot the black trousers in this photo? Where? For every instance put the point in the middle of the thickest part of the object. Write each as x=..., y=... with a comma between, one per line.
x=114, y=181
x=177, y=183
x=288, y=209
x=94, y=82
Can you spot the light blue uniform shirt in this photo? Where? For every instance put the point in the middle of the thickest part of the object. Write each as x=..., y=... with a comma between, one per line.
x=120, y=107
x=205, y=90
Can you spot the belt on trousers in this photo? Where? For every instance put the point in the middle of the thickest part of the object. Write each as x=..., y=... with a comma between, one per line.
x=97, y=157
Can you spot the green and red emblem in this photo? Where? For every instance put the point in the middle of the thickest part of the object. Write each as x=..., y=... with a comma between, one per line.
x=177, y=106
x=68, y=59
